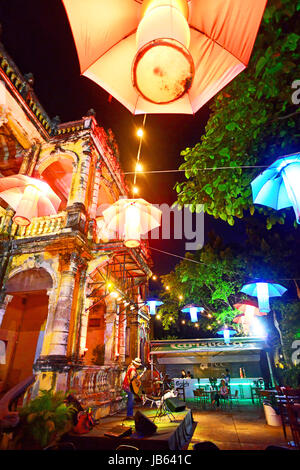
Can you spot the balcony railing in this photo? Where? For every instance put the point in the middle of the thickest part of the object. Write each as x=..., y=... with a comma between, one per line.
x=47, y=225
x=50, y=224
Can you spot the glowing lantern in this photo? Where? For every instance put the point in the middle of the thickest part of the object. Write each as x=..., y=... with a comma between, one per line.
x=29, y=197
x=193, y=310
x=163, y=68
x=263, y=291
x=226, y=333
x=131, y=218
x=132, y=235
x=257, y=328
x=163, y=56
x=278, y=186
x=152, y=304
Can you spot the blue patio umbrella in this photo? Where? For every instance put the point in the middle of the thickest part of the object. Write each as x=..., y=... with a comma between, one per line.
x=263, y=291
x=278, y=186
x=152, y=304
x=226, y=332
x=193, y=310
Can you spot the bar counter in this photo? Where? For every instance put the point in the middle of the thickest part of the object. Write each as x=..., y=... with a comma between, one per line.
x=242, y=385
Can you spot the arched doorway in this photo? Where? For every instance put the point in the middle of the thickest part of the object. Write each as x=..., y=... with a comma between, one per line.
x=23, y=324
x=95, y=347
x=58, y=175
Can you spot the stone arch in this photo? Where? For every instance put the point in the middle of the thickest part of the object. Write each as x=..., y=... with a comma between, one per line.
x=31, y=263
x=58, y=170
x=24, y=319
x=26, y=281
x=50, y=158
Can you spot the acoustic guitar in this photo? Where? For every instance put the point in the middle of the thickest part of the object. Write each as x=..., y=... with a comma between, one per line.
x=136, y=383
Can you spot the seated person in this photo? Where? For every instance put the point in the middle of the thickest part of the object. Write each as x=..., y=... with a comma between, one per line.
x=221, y=393
x=189, y=375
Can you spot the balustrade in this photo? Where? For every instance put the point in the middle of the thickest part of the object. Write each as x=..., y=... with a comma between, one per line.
x=39, y=225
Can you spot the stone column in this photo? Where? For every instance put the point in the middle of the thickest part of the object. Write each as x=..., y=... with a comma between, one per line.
x=109, y=318
x=78, y=204
x=62, y=315
x=84, y=319
x=134, y=335
x=122, y=336
x=3, y=306
x=7, y=221
x=80, y=316
x=78, y=193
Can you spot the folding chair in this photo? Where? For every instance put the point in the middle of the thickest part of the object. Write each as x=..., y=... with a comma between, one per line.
x=234, y=398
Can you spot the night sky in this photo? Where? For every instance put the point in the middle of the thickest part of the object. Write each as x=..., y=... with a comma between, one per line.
x=36, y=34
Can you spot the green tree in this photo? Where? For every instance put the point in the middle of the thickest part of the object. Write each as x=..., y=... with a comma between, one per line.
x=252, y=122
x=210, y=278
x=214, y=276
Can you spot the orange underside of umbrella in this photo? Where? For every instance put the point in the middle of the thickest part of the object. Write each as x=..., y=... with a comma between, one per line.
x=249, y=309
x=29, y=197
x=164, y=58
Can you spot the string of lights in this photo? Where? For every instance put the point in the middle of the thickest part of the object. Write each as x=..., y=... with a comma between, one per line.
x=198, y=169
x=177, y=256
x=138, y=166
x=202, y=262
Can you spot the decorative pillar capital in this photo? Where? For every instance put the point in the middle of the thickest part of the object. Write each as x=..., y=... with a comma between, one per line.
x=3, y=305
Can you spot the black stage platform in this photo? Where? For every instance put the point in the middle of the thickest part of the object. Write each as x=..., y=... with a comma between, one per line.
x=174, y=435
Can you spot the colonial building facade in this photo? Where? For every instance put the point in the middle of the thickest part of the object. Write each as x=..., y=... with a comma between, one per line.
x=71, y=297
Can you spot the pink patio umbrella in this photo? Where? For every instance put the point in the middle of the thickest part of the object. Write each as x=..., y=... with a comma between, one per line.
x=29, y=197
x=249, y=309
x=163, y=56
x=131, y=218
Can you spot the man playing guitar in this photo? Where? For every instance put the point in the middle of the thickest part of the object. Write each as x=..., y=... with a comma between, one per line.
x=131, y=384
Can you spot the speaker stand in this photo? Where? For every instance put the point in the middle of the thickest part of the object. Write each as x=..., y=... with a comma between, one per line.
x=163, y=410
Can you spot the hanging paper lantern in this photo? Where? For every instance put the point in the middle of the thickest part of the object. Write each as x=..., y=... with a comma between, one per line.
x=29, y=197
x=152, y=304
x=226, y=332
x=163, y=68
x=163, y=56
x=278, y=186
x=131, y=218
x=193, y=310
x=263, y=291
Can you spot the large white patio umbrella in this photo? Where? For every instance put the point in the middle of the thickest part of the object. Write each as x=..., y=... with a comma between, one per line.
x=29, y=197
x=163, y=56
x=131, y=218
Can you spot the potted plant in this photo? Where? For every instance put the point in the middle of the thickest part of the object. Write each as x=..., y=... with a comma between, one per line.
x=43, y=420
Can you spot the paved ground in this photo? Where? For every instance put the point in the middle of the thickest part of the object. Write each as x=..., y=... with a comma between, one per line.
x=242, y=428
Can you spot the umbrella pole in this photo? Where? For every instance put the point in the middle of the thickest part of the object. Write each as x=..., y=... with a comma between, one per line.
x=270, y=369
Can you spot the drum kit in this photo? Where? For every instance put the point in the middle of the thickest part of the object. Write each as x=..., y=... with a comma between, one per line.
x=163, y=391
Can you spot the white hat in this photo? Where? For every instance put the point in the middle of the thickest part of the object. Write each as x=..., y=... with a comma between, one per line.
x=136, y=361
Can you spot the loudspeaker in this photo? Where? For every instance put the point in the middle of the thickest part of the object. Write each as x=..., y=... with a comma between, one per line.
x=143, y=425
x=175, y=405
x=118, y=431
